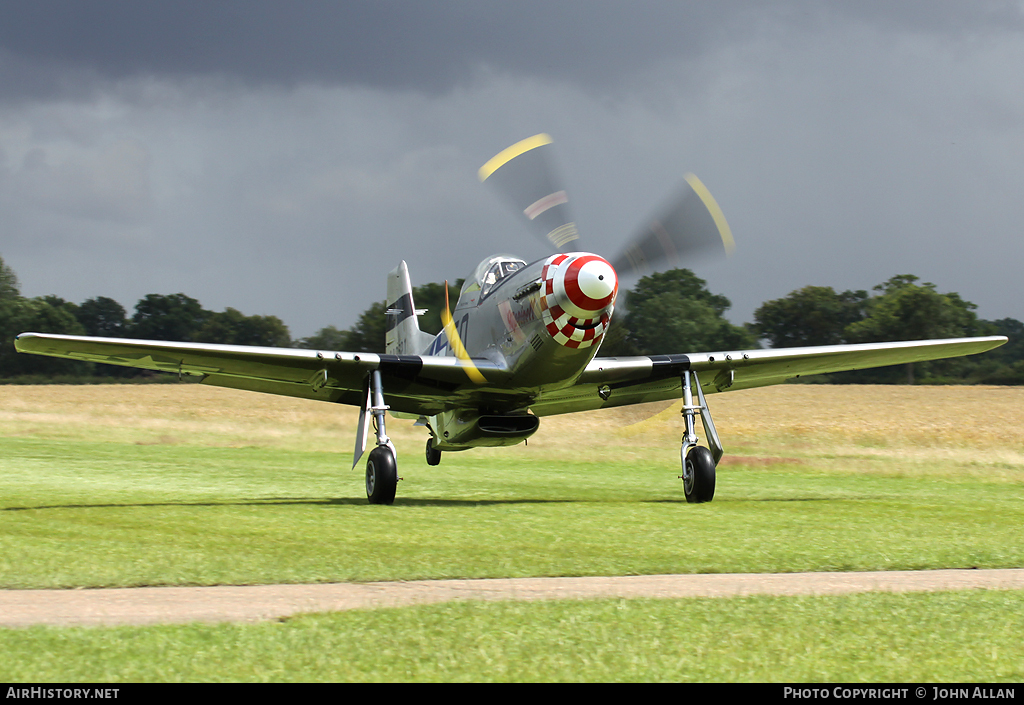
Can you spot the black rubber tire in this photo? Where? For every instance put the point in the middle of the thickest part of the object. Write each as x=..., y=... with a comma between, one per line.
x=433, y=456
x=699, y=476
x=381, y=476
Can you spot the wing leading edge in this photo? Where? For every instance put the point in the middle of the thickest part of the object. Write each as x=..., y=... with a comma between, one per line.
x=610, y=381
x=416, y=384
x=428, y=385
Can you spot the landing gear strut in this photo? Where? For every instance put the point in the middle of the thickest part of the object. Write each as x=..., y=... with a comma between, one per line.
x=698, y=462
x=381, y=467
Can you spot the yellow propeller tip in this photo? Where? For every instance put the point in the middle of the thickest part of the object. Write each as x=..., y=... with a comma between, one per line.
x=716, y=213
x=509, y=153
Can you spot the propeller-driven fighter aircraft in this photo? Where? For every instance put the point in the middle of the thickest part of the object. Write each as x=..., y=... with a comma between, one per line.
x=520, y=344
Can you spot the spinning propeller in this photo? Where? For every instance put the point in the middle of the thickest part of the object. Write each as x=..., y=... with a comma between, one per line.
x=689, y=224
x=525, y=176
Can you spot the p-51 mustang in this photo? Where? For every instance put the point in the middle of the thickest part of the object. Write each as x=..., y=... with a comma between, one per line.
x=521, y=344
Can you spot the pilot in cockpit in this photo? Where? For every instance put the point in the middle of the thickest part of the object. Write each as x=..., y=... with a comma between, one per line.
x=498, y=271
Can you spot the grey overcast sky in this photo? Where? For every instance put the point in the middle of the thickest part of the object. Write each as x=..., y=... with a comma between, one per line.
x=280, y=158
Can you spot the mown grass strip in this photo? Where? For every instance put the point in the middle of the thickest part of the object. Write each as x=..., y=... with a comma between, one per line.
x=938, y=637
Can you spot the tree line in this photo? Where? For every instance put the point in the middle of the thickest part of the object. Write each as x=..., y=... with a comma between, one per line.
x=668, y=312
x=156, y=317
x=674, y=312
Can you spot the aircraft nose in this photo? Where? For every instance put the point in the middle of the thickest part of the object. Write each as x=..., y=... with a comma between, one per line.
x=588, y=286
x=591, y=285
x=577, y=296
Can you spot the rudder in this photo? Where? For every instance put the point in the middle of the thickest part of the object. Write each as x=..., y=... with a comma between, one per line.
x=404, y=336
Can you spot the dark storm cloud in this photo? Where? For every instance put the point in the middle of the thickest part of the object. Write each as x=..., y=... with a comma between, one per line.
x=303, y=148
x=427, y=46
x=942, y=16
x=386, y=43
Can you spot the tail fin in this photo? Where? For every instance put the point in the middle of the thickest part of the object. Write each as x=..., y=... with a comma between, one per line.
x=404, y=336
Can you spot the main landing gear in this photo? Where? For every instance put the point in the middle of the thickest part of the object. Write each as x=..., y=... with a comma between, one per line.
x=698, y=462
x=381, y=467
x=381, y=476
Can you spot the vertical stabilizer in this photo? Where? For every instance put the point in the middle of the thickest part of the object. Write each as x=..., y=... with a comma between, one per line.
x=403, y=329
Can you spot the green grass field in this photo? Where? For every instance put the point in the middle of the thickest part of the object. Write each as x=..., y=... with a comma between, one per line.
x=183, y=485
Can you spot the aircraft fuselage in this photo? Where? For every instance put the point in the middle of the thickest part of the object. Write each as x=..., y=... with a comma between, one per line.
x=541, y=323
x=521, y=321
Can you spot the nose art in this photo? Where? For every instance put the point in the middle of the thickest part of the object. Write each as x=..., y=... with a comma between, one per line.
x=577, y=297
x=590, y=285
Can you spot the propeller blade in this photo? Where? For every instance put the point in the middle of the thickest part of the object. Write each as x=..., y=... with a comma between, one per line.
x=690, y=224
x=644, y=418
x=455, y=342
x=523, y=174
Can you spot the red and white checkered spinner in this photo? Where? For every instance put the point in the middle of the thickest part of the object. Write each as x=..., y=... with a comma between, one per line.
x=577, y=298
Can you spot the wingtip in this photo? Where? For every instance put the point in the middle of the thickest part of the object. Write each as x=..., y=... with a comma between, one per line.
x=19, y=342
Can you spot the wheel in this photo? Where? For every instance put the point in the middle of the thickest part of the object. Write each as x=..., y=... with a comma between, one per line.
x=381, y=476
x=699, y=475
x=433, y=456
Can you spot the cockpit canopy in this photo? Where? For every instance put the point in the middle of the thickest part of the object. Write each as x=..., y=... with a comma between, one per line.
x=487, y=275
